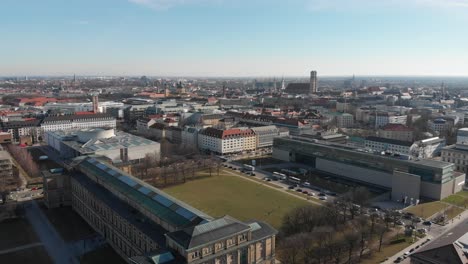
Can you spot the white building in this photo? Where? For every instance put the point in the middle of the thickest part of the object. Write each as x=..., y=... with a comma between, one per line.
x=388, y=145
x=428, y=148
x=68, y=122
x=396, y=132
x=234, y=140
x=440, y=125
x=382, y=119
x=119, y=147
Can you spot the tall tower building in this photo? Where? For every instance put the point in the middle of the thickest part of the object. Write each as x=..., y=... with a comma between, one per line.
x=95, y=104
x=313, y=82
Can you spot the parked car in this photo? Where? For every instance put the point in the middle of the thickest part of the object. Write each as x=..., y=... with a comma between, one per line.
x=298, y=190
x=323, y=198
x=311, y=194
x=322, y=194
x=427, y=223
x=399, y=222
x=290, y=187
x=417, y=219
x=305, y=192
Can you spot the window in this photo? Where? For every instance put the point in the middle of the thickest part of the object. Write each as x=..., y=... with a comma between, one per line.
x=195, y=254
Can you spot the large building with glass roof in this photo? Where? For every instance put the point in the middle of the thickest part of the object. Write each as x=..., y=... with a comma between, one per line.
x=412, y=179
x=117, y=146
x=145, y=225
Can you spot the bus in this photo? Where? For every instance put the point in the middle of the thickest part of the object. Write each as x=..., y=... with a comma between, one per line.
x=248, y=167
x=294, y=180
x=280, y=176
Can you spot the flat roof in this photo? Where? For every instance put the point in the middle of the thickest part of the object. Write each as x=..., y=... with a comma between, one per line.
x=370, y=155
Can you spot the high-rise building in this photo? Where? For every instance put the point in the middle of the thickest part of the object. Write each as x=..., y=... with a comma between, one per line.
x=95, y=104
x=313, y=82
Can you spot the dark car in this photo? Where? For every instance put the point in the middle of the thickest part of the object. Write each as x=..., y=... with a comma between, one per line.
x=322, y=194
x=291, y=187
x=305, y=192
x=298, y=190
x=427, y=223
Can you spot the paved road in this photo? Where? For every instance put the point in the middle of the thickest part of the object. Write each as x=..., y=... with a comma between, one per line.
x=260, y=174
x=435, y=232
x=53, y=243
x=284, y=190
x=20, y=248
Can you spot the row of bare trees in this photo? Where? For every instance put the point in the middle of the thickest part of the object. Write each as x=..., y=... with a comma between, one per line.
x=177, y=169
x=336, y=233
x=24, y=159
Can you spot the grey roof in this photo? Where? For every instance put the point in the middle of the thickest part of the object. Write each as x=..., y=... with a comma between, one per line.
x=261, y=230
x=156, y=202
x=204, y=233
x=141, y=222
x=76, y=117
x=390, y=141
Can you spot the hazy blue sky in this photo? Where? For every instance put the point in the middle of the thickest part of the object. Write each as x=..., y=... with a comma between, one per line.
x=234, y=37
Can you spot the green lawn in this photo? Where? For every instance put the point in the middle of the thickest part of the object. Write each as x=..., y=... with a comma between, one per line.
x=457, y=200
x=240, y=198
x=15, y=233
x=426, y=210
x=386, y=252
x=463, y=193
x=36, y=255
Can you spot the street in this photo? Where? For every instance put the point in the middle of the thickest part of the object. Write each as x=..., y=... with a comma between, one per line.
x=435, y=232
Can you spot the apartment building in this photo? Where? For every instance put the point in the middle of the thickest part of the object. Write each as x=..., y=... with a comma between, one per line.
x=265, y=135
x=227, y=141
x=18, y=129
x=381, y=119
x=388, y=145
x=440, y=125
x=143, y=224
x=396, y=132
x=6, y=168
x=68, y=122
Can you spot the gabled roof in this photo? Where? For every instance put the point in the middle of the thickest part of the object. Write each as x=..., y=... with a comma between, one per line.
x=209, y=232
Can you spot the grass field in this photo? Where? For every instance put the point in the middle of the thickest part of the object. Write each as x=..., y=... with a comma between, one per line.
x=457, y=200
x=15, y=233
x=386, y=252
x=36, y=255
x=426, y=210
x=240, y=198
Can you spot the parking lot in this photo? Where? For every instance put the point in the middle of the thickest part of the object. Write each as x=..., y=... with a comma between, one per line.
x=313, y=192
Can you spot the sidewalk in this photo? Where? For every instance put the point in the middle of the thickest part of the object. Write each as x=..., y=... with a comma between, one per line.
x=434, y=233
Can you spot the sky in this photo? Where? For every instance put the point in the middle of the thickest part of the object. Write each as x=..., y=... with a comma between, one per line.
x=270, y=38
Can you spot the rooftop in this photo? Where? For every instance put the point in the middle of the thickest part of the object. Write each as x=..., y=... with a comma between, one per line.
x=121, y=139
x=390, y=141
x=155, y=201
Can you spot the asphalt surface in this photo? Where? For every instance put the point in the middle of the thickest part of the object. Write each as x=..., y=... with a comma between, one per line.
x=261, y=175
x=438, y=235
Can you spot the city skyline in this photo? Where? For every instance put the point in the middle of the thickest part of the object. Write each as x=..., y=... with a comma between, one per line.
x=202, y=38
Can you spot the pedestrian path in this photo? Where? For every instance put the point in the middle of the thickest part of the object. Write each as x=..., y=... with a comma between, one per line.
x=10, y=250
